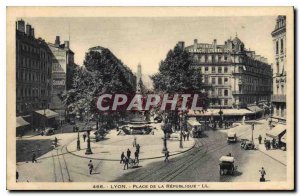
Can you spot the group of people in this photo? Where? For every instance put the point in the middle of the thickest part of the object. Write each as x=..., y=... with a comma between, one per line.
x=126, y=159
x=186, y=135
x=270, y=144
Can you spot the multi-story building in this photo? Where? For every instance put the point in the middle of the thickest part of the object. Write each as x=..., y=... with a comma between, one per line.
x=63, y=67
x=237, y=76
x=279, y=69
x=125, y=71
x=33, y=71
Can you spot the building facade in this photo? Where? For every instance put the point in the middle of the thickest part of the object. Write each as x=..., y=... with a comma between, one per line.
x=63, y=67
x=125, y=71
x=279, y=69
x=33, y=71
x=237, y=77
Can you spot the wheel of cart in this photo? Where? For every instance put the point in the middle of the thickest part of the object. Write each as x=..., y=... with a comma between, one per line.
x=226, y=165
x=133, y=163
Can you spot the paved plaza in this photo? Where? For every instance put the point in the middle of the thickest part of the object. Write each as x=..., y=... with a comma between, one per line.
x=198, y=155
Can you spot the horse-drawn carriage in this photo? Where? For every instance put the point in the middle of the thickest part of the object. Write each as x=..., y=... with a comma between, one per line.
x=227, y=165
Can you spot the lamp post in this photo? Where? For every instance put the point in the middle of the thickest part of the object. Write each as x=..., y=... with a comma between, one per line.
x=181, y=127
x=78, y=140
x=165, y=148
x=88, y=149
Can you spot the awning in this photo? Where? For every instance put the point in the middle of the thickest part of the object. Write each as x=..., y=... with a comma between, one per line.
x=283, y=138
x=255, y=109
x=226, y=112
x=21, y=122
x=47, y=113
x=193, y=122
x=277, y=132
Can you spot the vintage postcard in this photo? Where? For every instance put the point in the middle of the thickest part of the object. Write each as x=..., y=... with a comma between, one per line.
x=150, y=98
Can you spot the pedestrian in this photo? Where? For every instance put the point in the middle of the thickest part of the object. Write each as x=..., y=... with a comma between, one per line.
x=262, y=173
x=128, y=153
x=136, y=156
x=138, y=147
x=188, y=136
x=126, y=161
x=167, y=156
x=259, y=139
x=84, y=137
x=17, y=176
x=34, y=158
x=91, y=167
x=273, y=143
x=122, y=157
x=184, y=136
x=134, y=141
x=55, y=141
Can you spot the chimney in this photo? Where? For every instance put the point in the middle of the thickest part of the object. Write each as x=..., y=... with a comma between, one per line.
x=67, y=44
x=57, y=41
x=181, y=44
x=32, y=32
x=195, y=41
x=28, y=29
x=215, y=44
x=21, y=26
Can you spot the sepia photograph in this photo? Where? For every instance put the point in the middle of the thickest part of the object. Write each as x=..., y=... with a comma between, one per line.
x=150, y=98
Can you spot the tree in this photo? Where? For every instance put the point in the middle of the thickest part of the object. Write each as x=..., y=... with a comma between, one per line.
x=101, y=73
x=178, y=73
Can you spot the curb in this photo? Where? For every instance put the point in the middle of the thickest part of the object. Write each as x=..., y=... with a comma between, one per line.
x=139, y=159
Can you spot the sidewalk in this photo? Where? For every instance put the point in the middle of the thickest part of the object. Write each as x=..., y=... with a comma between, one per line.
x=113, y=145
x=261, y=129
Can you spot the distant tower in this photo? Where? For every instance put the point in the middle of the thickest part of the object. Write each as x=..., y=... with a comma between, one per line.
x=138, y=79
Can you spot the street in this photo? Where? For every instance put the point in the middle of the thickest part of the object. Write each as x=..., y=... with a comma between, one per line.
x=200, y=164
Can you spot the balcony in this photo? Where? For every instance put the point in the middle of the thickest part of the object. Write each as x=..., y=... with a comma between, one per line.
x=237, y=92
x=278, y=98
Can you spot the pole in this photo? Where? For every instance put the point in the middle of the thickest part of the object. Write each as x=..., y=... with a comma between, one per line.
x=252, y=131
x=181, y=127
x=78, y=140
x=88, y=149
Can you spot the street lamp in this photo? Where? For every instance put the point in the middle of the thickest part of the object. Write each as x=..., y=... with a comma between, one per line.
x=181, y=128
x=165, y=148
x=88, y=149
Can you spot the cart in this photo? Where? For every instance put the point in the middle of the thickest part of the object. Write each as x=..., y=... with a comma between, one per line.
x=226, y=165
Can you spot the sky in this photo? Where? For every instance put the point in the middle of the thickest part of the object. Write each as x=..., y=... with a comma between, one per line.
x=147, y=40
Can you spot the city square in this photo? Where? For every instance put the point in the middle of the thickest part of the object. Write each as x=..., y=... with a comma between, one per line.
x=210, y=111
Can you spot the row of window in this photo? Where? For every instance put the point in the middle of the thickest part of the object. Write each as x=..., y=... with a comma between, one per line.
x=216, y=80
x=33, y=64
x=218, y=69
x=30, y=92
x=222, y=102
x=211, y=58
x=30, y=77
x=221, y=92
x=33, y=50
